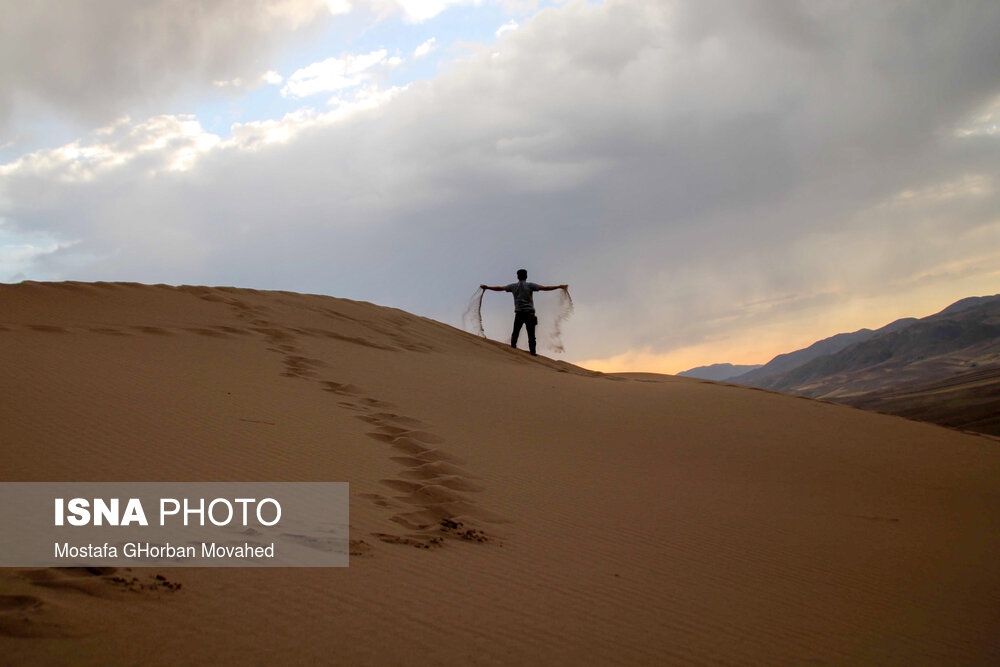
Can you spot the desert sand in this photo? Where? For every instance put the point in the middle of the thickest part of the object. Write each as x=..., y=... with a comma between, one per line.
x=504, y=509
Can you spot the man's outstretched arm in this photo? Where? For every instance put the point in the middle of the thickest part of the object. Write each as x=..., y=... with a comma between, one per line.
x=549, y=288
x=495, y=289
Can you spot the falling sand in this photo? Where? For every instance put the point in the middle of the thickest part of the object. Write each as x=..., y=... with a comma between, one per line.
x=472, y=318
x=473, y=314
x=554, y=335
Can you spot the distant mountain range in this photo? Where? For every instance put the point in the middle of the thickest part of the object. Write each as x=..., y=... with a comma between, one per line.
x=832, y=345
x=943, y=368
x=718, y=371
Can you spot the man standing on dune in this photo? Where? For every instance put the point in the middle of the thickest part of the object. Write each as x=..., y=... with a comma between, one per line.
x=524, y=305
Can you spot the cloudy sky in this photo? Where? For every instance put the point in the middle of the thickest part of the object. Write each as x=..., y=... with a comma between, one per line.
x=717, y=181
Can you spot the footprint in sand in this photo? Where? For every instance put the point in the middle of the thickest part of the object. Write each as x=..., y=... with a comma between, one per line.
x=420, y=542
x=360, y=548
x=434, y=468
x=86, y=580
x=301, y=367
x=29, y=616
x=407, y=441
x=101, y=582
x=211, y=333
x=454, y=482
x=435, y=455
x=47, y=328
x=19, y=603
x=341, y=389
x=375, y=403
x=23, y=616
x=381, y=501
x=108, y=331
x=390, y=419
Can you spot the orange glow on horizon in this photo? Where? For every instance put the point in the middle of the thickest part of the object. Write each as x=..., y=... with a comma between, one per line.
x=764, y=342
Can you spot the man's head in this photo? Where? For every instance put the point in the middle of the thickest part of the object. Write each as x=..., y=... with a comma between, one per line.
x=522, y=274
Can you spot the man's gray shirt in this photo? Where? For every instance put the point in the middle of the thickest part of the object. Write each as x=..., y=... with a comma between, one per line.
x=523, y=298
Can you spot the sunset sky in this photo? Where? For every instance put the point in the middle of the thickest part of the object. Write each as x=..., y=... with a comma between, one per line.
x=716, y=181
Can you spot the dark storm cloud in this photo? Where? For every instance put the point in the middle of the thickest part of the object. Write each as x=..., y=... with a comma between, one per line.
x=91, y=62
x=690, y=168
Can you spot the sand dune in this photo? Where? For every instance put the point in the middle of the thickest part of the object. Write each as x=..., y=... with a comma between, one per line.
x=504, y=509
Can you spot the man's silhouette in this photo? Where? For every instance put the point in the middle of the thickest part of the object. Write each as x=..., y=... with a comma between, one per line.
x=524, y=305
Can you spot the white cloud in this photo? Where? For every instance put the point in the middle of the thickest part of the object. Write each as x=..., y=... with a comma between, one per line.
x=425, y=48
x=334, y=74
x=176, y=142
x=336, y=7
x=257, y=135
x=295, y=13
x=418, y=11
x=161, y=143
x=272, y=78
x=268, y=78
x=507, y=27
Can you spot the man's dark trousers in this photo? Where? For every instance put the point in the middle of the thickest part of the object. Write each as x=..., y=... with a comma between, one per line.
x=529, y=320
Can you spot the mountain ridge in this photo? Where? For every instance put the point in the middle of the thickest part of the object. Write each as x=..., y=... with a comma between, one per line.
x=870, y=369
x=718, y=371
